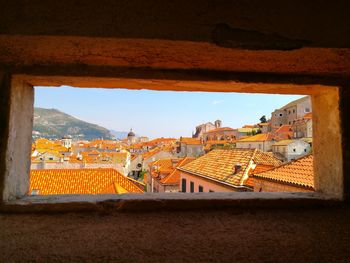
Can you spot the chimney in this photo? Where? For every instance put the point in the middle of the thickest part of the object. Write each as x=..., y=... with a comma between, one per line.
x=174, y=162
x=237, y=168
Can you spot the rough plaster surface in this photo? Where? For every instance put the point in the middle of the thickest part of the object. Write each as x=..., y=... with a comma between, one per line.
x=269, y=235
x=166, y=54
x=327, y=148
x=164, y=201
x=249, y=23
x=19, y=141
x=4, y=128
x=345, y=124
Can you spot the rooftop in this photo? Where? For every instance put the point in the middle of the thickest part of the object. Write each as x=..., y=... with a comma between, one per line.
x=191, y=141
x=299, y=172
x=261, y=137
x=220, y=130
x=219, y=164
x=174, y=176
x=80, y=181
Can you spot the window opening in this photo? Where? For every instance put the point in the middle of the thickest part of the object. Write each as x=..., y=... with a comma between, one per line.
x=77, y=150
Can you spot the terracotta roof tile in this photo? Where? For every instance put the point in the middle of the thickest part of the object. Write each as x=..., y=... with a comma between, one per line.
x=220, y=129
x=79, y=181
x=174, y=176
x=258, y=138
x=220, y=164
x=308, y=116
x=299, y=172
x=191, y=141
x=284, y=129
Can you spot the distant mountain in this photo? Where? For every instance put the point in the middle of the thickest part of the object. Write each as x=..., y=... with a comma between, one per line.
x=119, y=134
x=54, y=124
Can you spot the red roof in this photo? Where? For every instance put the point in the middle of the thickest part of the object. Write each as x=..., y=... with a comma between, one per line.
x=299, y=172
x=284, y=129
x=220, y=129
x=80, y=181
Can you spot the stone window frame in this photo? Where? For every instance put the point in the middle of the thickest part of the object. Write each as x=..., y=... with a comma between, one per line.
x=16, y=164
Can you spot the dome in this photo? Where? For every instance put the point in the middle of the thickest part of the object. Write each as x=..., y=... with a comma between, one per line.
x=131, y=134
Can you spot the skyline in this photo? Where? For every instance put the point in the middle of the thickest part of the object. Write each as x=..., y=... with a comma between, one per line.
x=159, y=113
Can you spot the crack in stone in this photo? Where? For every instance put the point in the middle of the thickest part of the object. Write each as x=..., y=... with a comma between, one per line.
x=225, y=36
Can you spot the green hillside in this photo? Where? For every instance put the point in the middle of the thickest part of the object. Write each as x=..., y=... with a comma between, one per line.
x=54, y=124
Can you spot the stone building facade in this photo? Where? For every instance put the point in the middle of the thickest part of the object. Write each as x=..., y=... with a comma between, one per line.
x=290, y=112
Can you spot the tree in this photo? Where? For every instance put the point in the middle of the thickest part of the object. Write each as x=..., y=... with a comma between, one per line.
x=263, y=119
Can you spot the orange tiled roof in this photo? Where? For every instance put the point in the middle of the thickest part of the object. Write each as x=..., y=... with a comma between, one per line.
x=299, y=172
x=151, y=153
x=174, y=176
x=167, y=148
x=134, y=156
x=248, y=126
x=162, y=140
x=308, y=116
x=258, y=169
x=284, y=129
x=79, y=181
x=220, y=129
x=219, y=164
x=264, y=124
x=258, y=138
x=191, y=141
x=163, y=165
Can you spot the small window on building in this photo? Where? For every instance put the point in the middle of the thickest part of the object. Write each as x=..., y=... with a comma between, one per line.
x=211, y=191
x=289, y=123
x=288, y=112
x=294, y=150
x=293, y=111
x=51, y=158
x=281, y=114
x=304, y=150
x=200, y=188
x=307, y=109
x=192, y=187
x=183, y=185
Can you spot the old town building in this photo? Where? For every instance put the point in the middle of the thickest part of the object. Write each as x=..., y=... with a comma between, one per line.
x=223, y=170
x=263, y=142
x=163, y=175
x=294, y=176
x=206, y=127
x=290, y=112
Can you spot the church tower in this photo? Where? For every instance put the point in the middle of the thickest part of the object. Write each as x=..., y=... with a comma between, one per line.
x=131, y=137
x=217, y=124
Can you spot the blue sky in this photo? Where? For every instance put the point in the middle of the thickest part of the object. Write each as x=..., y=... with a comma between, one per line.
x=159, y=113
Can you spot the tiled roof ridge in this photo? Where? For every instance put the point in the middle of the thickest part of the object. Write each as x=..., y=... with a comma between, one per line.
x=287, y=163
x=220, y=129
x=179, y=164
x=293, y=162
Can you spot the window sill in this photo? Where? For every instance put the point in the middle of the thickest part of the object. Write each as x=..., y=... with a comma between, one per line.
x=162, y=201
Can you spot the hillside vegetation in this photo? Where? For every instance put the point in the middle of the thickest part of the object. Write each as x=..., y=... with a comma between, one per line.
x=54, y=124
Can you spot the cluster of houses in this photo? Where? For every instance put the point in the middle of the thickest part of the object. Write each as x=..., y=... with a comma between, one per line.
x=274, y=155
